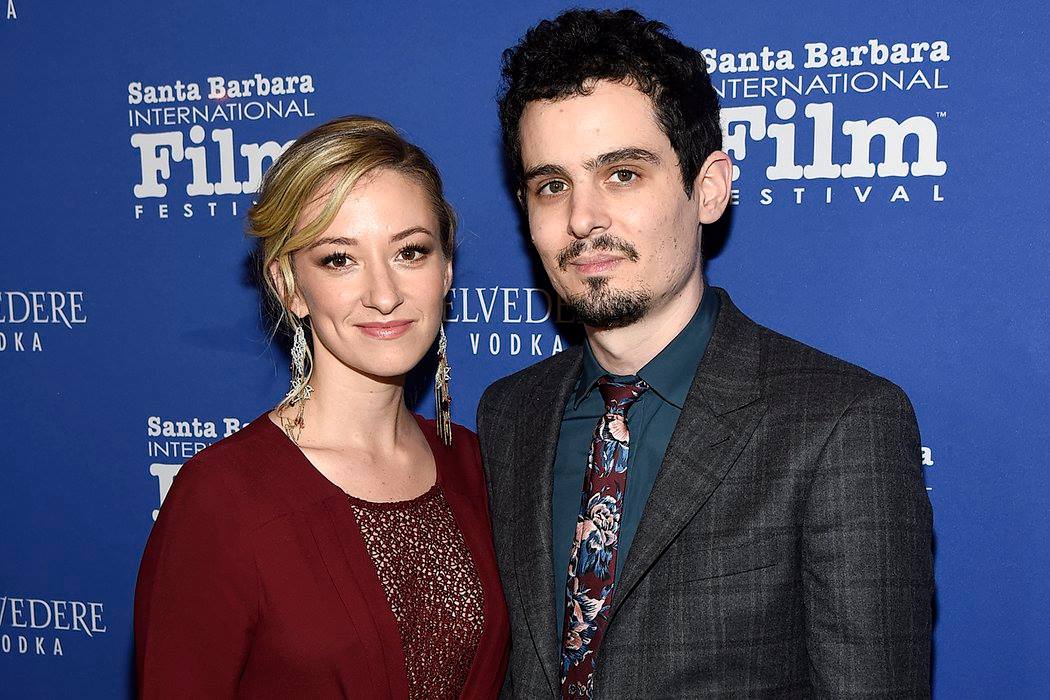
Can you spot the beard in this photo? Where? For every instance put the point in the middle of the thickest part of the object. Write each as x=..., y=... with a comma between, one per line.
x=602, y=307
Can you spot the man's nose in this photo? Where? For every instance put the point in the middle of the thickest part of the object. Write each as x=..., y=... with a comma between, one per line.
x=588, y=214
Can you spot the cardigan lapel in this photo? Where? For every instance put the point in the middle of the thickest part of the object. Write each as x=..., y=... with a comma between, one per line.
x=536, y=437
x=722, y=409
x=354, y=575
x=325, y=508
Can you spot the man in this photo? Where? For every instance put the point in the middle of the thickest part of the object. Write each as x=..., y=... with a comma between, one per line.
x=690, y=504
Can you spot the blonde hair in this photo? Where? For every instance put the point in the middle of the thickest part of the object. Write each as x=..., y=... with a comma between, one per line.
x=336, y=154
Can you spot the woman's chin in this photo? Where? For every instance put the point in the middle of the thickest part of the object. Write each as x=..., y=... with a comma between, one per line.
x=386, y=367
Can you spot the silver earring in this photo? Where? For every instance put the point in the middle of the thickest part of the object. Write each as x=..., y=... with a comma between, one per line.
x=300, y=391
x=442, y=399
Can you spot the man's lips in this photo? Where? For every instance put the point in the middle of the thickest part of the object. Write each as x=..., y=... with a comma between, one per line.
x=385, y=330
x=595, y=264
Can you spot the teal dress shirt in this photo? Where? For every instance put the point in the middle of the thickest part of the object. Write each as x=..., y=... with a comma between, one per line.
x=650, y=420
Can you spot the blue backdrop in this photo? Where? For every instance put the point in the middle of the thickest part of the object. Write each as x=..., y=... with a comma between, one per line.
x=890, y=210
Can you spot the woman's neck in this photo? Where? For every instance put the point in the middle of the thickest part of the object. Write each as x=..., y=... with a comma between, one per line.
x=350, y=410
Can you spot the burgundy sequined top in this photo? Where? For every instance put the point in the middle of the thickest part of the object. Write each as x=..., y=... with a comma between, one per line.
x=434, y=591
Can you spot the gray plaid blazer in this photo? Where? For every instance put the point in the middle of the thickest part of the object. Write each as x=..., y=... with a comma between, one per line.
x=785, y=549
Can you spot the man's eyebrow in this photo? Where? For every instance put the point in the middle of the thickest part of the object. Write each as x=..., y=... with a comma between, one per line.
x=545, y=170
x=620, y=155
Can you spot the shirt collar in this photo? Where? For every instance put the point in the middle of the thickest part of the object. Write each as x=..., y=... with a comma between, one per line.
x=670, y=373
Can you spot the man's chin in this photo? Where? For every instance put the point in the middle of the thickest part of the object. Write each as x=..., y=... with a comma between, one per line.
x=601, y=307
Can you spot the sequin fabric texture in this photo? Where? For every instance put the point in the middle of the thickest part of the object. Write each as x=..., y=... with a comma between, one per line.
x=433, y=588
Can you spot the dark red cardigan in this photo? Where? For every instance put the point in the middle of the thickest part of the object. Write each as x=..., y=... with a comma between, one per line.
x=256, y=582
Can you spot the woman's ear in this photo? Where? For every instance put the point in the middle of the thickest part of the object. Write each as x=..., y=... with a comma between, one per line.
x=283, y=279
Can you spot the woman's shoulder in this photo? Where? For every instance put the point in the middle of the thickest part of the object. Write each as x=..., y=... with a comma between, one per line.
x=244, y=450
x=463, y=438
x=234, y=470
x=460, y=462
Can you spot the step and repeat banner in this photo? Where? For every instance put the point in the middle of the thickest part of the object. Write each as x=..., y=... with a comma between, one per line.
x=889, y=208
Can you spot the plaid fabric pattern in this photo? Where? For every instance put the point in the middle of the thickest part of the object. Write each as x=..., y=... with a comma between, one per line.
x=785, y=549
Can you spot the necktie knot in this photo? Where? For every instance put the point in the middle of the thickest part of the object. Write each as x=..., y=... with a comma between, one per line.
x=619, y=396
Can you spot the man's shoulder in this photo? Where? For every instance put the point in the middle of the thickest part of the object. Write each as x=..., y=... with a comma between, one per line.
x=792, y=372
x=530, y=380
x=796, y=371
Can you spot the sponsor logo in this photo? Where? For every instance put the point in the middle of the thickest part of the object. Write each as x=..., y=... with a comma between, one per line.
x=927, y=460
x=190, y=161
x=800, y=130
x=30, y=626
x=175, y=441
x=27, y=316
x=487, y=312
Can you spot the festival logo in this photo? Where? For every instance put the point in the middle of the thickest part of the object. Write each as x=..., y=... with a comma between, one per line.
x=26, y=317
x=184, y=137
x=823, y=122
x=171, y=442
x=31, y=626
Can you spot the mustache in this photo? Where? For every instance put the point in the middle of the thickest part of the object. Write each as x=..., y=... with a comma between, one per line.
x=605, y=241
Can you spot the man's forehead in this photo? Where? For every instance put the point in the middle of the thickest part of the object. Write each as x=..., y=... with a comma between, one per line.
x=604, y=100
x=610, y=117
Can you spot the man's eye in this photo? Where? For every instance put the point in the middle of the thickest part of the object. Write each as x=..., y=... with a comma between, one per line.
x=553, y=187
x=624, y=176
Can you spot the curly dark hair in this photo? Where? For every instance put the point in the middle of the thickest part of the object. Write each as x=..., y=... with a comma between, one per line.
x=558, y=58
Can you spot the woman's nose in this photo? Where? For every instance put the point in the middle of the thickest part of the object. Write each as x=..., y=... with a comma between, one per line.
x=383, y=294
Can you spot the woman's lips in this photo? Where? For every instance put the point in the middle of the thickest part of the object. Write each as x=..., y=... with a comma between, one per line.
x=386, y=330
x=596, y=265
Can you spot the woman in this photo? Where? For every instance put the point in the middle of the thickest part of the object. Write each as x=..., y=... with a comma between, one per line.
x=337, y=546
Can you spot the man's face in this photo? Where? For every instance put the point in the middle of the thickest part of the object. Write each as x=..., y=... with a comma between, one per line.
x=607, y=210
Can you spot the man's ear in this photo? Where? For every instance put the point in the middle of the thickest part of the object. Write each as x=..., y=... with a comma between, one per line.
x=713, y=187
x=283, y=279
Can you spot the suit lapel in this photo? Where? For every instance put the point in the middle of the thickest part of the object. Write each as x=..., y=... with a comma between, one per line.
x=721, y=411
x=537, y=440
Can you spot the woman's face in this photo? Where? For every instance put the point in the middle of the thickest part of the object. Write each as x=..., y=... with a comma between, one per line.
x=374, y=282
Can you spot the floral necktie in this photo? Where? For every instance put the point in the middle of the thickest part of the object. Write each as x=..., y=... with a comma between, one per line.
x=592, y=559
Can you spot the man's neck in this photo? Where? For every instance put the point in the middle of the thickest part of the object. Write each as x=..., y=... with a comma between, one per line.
x=626, y=350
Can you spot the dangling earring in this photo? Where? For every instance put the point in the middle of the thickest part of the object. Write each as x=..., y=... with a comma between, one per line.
x=300, y=391
x=442, y=399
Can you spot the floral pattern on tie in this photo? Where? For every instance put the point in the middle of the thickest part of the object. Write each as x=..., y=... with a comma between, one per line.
x=592, y=559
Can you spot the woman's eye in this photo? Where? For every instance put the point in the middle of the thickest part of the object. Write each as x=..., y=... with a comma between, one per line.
x=553, y=187
x=624, y=176
x=337, y=260
x=412, y=253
